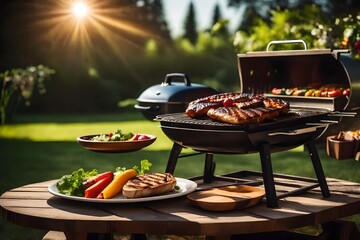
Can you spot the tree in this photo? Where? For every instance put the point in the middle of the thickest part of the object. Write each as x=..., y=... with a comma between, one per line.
x=217, y=14
x=333, y=7
x=151, y=17
x=145, y=16
x=218, y=23
x=158, y=11
x=190, y=25
x=339, y=8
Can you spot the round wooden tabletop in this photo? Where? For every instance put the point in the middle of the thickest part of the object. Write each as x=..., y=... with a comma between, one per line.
x=33, y=206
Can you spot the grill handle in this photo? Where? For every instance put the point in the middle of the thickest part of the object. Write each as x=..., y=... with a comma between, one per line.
x=170, y=76
x=342, y=114
x=147, y=108
x=294, y=132
x=329, y=121
x=286, y=42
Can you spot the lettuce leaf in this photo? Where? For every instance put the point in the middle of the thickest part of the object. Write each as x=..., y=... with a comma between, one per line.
x=144, y=167
x=72, y=184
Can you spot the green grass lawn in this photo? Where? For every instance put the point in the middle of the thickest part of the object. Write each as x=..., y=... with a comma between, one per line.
x=39, y=148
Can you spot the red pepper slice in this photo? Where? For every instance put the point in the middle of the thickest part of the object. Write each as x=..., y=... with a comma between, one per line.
x=91, y=181
x=96, y=189
x=334, y=93
x=324, y=94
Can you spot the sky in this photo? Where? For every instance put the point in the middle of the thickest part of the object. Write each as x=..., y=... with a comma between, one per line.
x=176, y=11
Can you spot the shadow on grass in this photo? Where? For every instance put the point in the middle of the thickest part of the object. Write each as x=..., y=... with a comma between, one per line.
x=78, y=118
x=25, y=162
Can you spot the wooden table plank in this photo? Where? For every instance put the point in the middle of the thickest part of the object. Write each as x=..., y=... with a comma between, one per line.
x=33, y=206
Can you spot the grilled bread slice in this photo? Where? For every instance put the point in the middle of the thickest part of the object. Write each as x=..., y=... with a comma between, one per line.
x=149, y=185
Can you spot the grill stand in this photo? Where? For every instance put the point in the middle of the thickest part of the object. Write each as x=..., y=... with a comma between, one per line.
x=267, y=172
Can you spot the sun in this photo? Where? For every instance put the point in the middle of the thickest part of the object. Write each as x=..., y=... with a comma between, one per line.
x=91, y=29
x=80, y=9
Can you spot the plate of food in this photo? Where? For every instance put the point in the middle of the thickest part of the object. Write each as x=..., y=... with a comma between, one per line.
x=121, y=186
x=184, y=187
x=116, y=142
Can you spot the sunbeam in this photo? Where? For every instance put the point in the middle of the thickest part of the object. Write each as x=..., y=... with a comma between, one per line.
x=92, y=26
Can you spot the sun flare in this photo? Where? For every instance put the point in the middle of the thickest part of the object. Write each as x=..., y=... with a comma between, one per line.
x=92, y=32
x=80, y=9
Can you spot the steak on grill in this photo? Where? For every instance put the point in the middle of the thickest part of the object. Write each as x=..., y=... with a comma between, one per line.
x=236, y=115
x=243, y=108
x=149, y=185
x=199, y=107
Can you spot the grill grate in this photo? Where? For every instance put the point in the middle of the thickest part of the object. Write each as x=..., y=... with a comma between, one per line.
x=292, y=117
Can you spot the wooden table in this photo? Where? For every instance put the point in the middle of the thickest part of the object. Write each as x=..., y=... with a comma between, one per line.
x=33, y=206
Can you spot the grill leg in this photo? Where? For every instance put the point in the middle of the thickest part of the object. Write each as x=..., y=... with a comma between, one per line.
x=209, y=168
x=318, y=169
x=174, y=155
x=268, y=175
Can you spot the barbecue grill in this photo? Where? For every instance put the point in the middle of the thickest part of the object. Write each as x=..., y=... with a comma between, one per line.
x=307, y=120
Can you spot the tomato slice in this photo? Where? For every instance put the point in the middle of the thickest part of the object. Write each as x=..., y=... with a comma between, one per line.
x=346, y=92
x=135, y=137
x=143, y=137
x=228, y=102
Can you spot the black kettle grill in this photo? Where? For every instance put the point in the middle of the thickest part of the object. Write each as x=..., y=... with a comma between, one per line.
x=307, y=120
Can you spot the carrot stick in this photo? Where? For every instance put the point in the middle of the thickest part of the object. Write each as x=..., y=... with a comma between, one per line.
x=117, y=184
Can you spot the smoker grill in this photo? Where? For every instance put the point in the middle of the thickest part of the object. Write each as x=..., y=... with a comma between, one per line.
x=308, y=118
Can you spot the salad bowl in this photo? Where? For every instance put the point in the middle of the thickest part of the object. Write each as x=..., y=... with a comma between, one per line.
x=115, y=146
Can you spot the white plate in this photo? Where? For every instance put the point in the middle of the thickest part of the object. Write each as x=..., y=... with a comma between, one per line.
x=186, y=187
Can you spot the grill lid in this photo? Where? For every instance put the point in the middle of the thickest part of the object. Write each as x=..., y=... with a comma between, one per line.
x=262, y=71
x=173, y=92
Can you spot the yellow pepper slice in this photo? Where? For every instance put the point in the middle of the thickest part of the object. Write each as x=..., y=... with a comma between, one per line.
x=117, y=184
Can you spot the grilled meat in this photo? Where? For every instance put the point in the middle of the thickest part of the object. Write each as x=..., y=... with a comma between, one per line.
x=236, y=115
x=149, y=185
x=199, y=107
x=255, y=102
x=236, y=97
x=242, y=108
x=279, y=104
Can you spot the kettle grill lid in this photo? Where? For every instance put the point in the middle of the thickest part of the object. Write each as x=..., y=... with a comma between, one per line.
x=170, y=92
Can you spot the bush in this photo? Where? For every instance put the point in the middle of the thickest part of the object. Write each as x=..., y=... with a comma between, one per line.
x=18, y=84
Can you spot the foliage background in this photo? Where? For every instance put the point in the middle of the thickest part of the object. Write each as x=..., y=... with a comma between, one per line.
x=97, y=70
x=98, y=67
